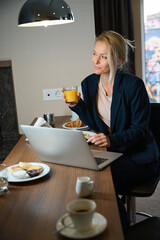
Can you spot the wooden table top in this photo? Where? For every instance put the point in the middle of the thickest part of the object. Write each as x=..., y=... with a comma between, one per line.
x=30, y=210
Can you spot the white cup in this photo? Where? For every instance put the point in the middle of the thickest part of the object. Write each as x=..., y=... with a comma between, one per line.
x=81, y=213
x=3, y=179
x=84, y=186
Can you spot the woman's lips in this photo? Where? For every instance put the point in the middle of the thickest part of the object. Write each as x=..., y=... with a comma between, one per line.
x=96, y=68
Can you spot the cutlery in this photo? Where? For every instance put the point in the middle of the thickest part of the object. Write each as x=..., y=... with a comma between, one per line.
x=67, y=226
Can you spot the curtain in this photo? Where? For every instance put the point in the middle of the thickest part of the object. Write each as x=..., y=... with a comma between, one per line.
x=116, y=15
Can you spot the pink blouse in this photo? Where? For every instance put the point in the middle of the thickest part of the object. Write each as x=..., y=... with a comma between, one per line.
x=104, y=104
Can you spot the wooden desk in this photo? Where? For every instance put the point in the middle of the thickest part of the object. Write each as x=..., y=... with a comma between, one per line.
x=29, y=211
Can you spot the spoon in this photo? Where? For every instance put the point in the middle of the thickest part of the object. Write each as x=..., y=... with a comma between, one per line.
x=67, y=226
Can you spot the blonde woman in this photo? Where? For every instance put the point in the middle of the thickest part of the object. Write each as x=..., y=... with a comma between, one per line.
x=116, y=105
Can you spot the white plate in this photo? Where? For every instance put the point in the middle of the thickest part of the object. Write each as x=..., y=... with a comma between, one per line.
x=87, y=134
x=99, y=224
x=74, y=128
x=27, y=178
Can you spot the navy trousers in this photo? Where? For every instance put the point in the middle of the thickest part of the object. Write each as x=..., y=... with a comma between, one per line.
x=126, y=176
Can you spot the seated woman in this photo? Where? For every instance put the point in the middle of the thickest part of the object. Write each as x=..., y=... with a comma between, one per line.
x=116, y=105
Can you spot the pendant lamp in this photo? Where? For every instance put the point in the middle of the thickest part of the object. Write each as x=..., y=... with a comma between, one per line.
x=36, y=13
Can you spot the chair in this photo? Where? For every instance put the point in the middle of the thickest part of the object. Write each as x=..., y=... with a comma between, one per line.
x=148, y=229
x=147, y=189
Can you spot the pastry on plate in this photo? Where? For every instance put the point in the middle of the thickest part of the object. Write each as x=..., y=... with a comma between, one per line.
x=22, y=168
x=24, y=165
x=15, y=168
x=36, y=167
x=76, y=123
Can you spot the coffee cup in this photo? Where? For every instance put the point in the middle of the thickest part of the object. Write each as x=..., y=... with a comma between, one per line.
x=3, y=179
x=84, y=186
x=81, y=212
x=70, y=94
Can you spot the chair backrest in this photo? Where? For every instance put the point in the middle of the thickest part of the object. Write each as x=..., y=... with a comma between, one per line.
x=155, y=122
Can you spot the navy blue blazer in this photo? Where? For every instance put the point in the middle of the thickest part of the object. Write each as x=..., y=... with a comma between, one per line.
x=130, y=114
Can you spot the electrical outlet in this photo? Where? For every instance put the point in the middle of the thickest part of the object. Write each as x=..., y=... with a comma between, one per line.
x=47, y=94
x=52, y=94
x=57, y=93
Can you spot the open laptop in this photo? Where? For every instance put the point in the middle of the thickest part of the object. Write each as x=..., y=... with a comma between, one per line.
x=66, y=147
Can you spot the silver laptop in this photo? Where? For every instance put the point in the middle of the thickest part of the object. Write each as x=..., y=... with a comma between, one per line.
x=66, y=147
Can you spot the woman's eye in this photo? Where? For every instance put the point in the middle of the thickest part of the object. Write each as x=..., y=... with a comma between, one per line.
x=94, y=54
x=103, y=57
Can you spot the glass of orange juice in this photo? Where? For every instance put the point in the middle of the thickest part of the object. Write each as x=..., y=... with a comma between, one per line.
x=70, y=94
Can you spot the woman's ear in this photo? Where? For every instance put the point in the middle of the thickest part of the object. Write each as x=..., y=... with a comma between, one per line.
x=120, y=61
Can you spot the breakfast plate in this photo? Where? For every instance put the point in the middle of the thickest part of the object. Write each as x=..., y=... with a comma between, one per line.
x=27, y=178
x=88, y=134
x=74, y=128
x=99, y=224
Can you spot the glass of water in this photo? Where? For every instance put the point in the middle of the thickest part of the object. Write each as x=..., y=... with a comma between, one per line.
x=3, y=179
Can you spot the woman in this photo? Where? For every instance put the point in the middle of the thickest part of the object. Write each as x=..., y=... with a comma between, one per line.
x=116, y=105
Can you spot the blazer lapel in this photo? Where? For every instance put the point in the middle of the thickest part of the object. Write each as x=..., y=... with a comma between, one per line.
x=116, y=100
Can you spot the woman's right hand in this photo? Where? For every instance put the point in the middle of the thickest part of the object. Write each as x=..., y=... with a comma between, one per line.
x=100, y=139
x=70, y=104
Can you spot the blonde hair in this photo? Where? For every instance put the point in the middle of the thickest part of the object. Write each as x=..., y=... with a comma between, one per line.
x=117, y=49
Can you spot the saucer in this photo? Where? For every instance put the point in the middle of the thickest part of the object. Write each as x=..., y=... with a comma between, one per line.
x=99, y=224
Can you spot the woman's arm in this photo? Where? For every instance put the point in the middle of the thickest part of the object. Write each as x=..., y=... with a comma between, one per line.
x=131, y=127
x=86, y=107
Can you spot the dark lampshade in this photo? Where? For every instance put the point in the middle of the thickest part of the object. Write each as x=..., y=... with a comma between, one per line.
x=44, y=13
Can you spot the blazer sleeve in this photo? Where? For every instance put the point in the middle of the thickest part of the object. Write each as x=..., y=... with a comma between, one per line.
x=132, y=119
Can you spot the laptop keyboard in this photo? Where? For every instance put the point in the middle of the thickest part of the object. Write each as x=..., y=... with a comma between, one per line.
x=100, y=160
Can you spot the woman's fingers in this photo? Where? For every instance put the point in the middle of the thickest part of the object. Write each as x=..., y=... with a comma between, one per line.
x=100, y=139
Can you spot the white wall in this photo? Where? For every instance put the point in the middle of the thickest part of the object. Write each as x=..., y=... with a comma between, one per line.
x=45, y=58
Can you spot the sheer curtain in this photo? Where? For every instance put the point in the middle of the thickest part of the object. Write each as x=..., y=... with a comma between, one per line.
x=115, y=15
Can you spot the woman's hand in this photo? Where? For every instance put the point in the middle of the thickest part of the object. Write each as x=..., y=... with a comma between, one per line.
x=70, y=104
x=100, y=139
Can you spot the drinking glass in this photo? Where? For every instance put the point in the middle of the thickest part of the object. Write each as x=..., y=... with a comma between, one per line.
x=3, y=179
x=70, y=94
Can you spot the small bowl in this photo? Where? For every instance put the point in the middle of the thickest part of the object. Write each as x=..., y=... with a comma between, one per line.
x=19, y=174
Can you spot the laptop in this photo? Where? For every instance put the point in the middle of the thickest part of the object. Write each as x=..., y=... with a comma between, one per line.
x=66, y=147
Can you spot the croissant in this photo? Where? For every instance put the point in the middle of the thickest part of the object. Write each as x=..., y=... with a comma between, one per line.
x=76, y=123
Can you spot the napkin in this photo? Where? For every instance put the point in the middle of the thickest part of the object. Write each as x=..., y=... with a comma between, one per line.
x=41, y=122
x=74, y=116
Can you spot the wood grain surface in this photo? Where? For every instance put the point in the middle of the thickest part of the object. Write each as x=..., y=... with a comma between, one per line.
x=30, y=210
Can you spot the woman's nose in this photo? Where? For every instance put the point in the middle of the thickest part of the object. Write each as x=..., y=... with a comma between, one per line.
x=97, y=59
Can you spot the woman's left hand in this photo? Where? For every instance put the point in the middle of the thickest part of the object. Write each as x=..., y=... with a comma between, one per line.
x=71, y=104
x=100, y=139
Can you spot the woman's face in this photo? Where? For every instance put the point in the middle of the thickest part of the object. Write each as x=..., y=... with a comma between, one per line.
x=100, y=58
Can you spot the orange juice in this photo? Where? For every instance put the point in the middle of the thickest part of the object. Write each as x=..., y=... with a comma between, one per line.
x=70, y=94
